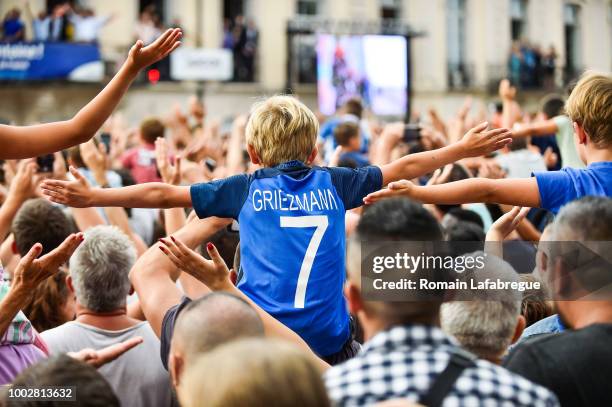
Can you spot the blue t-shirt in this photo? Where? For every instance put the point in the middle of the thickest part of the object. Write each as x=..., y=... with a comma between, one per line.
x=12, y=27
x=292, y=241
x=558, y=188
x=356, y=158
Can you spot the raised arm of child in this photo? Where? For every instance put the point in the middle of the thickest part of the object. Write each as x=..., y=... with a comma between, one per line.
x=513, y=191
x=545, y=128
x=32, y=141
x=79, y=194
x=476, y=142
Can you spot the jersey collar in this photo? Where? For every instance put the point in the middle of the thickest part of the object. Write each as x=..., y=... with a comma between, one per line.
x=292, y=165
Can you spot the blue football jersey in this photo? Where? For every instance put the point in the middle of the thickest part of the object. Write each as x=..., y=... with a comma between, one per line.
x=292, y=241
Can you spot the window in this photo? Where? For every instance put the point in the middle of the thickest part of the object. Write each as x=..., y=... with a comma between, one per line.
x=455, y=40
x=571, y=19
x=232, y=9
x=308, y=7
x=390, y=9
x=518, y=15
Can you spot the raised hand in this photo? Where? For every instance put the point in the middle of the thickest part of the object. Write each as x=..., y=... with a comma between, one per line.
x=30, y=271
x=96, y=159
x=506, y=91
x=140, y=56
x=480, y=141
x=76, y=194
x=398, y=188
x=170, y=174
x=25, y=182
x=93, y=156
x=98, y=358
x=213, y=273
x=440, y=176
x=506, y=224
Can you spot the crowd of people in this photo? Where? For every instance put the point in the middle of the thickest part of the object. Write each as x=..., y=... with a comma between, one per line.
x=240, y=36
x=184, y=261
x=531, y=67
x=63, y=23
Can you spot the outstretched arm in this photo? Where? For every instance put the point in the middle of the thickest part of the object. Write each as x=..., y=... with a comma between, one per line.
x=153, y=276
x=31, y=141
x=545, y=128
x=80, y=194
x=478, y=141
x=518, y=192
x=215, y=275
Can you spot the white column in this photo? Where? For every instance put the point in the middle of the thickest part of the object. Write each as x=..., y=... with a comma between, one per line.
x=213, y=23
x=428, y=52
x=488, y=39
x=596, y=43
x=271, y=18
x=118, y=33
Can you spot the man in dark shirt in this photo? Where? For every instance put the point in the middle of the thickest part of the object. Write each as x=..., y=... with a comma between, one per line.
x=188, y=328
x=575, y=364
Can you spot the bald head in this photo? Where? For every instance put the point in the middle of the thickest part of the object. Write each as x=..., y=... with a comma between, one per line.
x=212, y=320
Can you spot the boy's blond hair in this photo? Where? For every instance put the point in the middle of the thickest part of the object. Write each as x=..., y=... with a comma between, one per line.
x=590, y=105
x=282, y=129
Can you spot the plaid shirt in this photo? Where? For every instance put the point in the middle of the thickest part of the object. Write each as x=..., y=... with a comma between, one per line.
x=20, y=330
x=404, y=361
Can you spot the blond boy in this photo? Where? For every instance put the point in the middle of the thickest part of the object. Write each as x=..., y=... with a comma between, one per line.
x=590, y=109
x=291, y=215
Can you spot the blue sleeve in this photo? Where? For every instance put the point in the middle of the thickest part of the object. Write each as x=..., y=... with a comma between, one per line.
x=223, y=198
x=556, y=189
x=353, y=185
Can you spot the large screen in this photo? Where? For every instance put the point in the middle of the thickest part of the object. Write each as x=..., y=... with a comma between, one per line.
x=373, y=67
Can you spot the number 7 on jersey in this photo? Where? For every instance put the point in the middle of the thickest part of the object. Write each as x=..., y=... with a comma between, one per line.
x=319, y=222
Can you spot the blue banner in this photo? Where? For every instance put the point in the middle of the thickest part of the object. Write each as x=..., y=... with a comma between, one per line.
x=50, y=60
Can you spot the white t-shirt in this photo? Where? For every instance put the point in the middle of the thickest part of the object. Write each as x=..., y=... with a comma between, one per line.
x=521, y=163
x=87, y=29
x=137, y=377
x=566, y=143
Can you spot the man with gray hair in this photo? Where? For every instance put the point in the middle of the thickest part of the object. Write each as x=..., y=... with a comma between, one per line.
x=575, y=364
x=99, y=280
x=485, y=322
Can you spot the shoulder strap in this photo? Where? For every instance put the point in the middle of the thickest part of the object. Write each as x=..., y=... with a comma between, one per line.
x=443, y=384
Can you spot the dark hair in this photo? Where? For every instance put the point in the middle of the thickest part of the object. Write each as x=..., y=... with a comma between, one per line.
x=458, y=173
x=398, y=219
x=151, y=129
x=354, y=106
x=74, y=155
x=469, y=233
x=344, y=132
x=38, y=221
x=518, y=143
x=467, y=215
x=44, y=310
x=226, y=242
x=401, y=219
x=347, y=162
x=499, y=107
x=552, y=105
x=90, y=387
x=534, y=306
